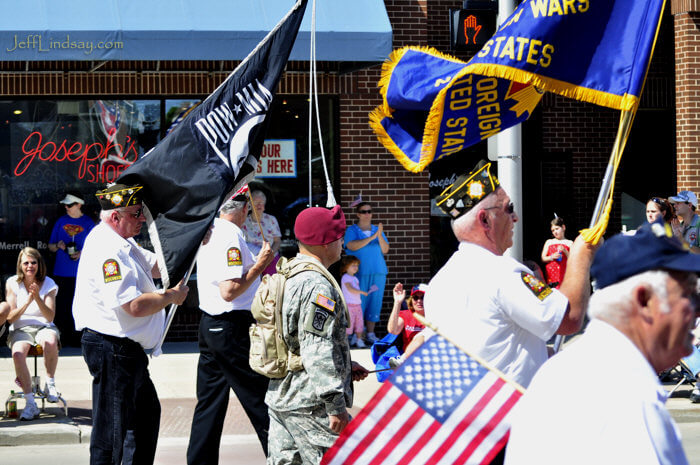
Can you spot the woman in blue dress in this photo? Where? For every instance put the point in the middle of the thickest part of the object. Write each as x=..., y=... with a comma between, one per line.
x=368, y=242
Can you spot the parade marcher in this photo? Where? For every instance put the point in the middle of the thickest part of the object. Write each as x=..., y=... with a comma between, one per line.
x=686, y=225
x=228, y=274
x=121, y=313
x=309, y=408
x=489, y=304
x=642, y=316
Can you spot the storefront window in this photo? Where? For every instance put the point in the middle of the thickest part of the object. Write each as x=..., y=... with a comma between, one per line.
x=284, y=171
x=52, y=147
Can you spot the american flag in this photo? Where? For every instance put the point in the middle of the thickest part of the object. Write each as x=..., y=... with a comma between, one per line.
x=440, y=407
x=110, y=117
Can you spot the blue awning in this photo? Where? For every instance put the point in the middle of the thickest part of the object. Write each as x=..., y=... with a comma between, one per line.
x=47, y=30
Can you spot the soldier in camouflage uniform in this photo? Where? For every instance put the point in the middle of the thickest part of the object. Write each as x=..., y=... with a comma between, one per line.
x=308, y=408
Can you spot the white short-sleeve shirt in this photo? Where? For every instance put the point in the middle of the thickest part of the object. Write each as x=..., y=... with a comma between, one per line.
x=114, y=271
x=598, y=401
x=226, y=256
x=493, y=307
x=32, y=315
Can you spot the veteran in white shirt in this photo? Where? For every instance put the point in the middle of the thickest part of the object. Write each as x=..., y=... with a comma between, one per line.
x=599, y=401
x=121, y=313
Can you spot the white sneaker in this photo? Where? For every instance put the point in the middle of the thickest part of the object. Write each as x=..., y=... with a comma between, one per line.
x=359, y=343
x=371, y=338
x=30, y=412
x=51, y=393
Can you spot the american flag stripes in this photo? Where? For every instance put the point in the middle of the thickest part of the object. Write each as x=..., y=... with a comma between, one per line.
x=440, y=407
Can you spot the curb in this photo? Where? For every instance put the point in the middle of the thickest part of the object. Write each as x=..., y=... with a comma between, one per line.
x=45, y=434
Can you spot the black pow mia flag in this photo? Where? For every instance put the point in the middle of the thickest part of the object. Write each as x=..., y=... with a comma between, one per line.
x=212, y=153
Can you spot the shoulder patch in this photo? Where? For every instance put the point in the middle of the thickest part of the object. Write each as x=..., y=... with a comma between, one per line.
x=233, y=257
x=540, y=289
x=111, y=271
x=325, y=302
x=319, y=320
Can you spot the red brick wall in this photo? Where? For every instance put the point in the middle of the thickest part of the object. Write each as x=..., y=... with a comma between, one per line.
x=688, y=100
x=399, y=199
x=587, y=132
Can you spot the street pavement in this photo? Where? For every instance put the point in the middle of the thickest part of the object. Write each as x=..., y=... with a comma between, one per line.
x=66, y=439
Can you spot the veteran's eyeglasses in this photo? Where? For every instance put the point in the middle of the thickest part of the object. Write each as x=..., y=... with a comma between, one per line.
x=510, y=208
x=137, y=214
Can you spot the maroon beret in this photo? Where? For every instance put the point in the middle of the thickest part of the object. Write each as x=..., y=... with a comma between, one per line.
x=319, y=226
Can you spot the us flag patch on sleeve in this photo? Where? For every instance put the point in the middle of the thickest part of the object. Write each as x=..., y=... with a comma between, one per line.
x=233, y=257
x=110, y=270
x=540, y=289
x=324, y=302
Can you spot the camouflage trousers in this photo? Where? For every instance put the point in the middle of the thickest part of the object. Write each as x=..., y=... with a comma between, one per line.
x=298, y=437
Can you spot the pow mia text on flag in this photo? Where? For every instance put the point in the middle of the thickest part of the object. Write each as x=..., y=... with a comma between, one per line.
x=220, y=125
x=211, y=153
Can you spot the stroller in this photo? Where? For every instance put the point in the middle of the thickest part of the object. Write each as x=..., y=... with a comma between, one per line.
x=686, y=370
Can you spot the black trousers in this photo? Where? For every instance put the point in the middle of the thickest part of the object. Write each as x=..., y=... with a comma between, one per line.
x=64, y=311
x=224, y=346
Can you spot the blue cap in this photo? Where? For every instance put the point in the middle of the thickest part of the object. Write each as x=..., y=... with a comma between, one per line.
x=652, y=247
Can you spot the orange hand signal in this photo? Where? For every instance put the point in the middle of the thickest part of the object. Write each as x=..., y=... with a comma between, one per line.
x=471, y=24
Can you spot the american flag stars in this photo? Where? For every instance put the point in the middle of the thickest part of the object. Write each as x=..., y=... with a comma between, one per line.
x=422, y=380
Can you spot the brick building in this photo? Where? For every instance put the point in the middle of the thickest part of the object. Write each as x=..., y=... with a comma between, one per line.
x=566, y=144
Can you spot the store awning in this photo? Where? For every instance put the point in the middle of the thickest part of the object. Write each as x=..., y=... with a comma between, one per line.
x=48, y=30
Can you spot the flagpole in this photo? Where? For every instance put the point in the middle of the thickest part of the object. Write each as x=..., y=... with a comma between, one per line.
x=606, y=189
x=171, y=312
x=255, y=214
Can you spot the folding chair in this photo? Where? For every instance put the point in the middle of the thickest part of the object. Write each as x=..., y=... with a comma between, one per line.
x=36, y=351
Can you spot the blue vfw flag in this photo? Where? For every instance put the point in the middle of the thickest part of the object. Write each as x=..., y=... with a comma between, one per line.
x=211, y=153
x=596, y=51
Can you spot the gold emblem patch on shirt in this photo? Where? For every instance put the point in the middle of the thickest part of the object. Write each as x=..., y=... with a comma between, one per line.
x=540, y=289
x=233, y=257
x=110, y=270
x=325, y=302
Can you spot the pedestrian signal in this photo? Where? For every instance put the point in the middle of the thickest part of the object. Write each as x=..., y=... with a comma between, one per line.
x=473, y=25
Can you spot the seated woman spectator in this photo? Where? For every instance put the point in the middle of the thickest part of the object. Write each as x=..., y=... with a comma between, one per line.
x=402, y=321
x=31, y=296
x=270, y=226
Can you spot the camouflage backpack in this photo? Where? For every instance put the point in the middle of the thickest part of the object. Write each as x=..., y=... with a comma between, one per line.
x=269, y=354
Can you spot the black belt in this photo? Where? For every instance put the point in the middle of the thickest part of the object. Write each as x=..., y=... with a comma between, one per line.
x=114, y=339
x=231, y=315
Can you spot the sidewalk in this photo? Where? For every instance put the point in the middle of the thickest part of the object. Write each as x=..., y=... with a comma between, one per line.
x=174, y=375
